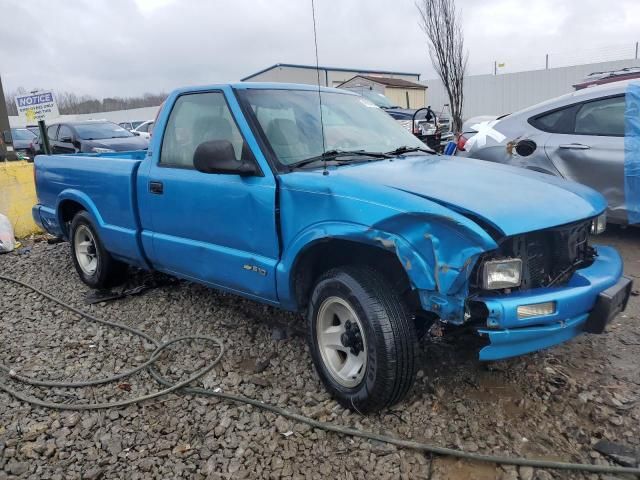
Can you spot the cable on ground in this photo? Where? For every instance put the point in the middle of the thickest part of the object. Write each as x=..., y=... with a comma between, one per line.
x=183, y=387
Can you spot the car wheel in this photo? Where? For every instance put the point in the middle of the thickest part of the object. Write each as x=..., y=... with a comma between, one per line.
x=94, y=264
x=361, y=338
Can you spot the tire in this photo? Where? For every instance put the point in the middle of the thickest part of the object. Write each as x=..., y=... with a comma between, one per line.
x=95, y=266
x=386, y=344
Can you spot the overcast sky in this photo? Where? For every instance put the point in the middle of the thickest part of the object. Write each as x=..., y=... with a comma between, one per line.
x=128, y=47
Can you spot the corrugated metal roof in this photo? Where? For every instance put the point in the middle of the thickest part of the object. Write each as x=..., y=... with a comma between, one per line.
x=321, y=67
x=391, y=82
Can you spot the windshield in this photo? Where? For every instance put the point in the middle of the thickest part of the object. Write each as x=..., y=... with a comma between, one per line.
x=290, y=120
x=100, y=131
x=379, y=99
x=22, y=134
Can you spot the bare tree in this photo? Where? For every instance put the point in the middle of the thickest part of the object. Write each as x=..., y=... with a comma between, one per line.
x=441, y=22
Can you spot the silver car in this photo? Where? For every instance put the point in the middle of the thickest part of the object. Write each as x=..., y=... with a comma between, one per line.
x=578, y=136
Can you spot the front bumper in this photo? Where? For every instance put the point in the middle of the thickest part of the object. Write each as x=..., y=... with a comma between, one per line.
x=510, y=336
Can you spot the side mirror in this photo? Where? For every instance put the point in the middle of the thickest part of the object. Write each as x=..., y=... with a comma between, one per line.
x=137, y=134
x=524, y=148
x=66, y=140
x=218, y=156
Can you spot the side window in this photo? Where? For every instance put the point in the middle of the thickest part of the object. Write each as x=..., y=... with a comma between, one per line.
x=52, y=132
x=557, y=121
x=143, y=128
x=64, y=132
x=197, y=118
x=601, y=117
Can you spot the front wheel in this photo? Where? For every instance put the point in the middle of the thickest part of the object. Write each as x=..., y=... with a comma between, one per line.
x=362, y=339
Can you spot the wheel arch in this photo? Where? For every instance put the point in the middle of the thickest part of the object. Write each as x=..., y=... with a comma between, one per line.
x=327, y=253
x=424, y=252
x=70, y=202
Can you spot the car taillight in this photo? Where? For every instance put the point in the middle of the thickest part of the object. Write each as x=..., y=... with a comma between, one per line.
x=462, y=141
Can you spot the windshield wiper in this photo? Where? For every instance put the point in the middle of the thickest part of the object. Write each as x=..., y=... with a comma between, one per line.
x=406, y=149
x=331, y=155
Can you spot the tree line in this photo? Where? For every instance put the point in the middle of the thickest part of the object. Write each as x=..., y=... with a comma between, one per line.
x=70, y=103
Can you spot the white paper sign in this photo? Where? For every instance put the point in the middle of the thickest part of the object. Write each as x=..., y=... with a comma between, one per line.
x=34, y=107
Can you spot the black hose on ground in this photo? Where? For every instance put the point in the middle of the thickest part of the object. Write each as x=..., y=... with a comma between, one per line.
x=184, y=388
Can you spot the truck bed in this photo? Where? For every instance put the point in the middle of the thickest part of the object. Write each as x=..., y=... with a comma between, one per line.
x=103, y=184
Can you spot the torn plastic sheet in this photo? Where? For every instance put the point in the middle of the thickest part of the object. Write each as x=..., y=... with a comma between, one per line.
x=632, y=152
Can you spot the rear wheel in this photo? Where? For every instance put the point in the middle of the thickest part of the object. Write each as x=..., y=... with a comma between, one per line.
x=361, y=338
x=94, y=264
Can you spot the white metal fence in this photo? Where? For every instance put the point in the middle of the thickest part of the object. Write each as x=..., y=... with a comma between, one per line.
x=509, y=92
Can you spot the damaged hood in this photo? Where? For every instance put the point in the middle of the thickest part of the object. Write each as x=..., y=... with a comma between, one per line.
x=512, y=200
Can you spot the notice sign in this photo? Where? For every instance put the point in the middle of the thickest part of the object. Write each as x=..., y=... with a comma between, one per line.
x=34, y=107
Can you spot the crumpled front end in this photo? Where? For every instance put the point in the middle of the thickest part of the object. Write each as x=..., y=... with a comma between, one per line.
x=567, y=287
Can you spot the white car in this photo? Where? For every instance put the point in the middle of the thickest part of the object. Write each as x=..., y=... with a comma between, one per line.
x=144, y=129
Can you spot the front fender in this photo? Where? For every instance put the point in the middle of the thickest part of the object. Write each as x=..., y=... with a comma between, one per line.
x=437, y=252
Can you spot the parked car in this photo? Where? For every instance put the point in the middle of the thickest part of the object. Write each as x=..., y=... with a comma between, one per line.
x=345, y=218
x=144, y=129
x=92, y=136
x=578, y=136
x=23, y=142
x=131, y=125
x=602, y=78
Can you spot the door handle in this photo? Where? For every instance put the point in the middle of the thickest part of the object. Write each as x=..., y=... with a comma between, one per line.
x=156, y=187
x=575, y=146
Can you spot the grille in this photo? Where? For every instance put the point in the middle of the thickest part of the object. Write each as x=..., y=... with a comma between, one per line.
x=549, y=257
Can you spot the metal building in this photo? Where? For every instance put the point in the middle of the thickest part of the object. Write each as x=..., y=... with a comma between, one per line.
x=401, y=92
x=329, y=76
x=510, y=92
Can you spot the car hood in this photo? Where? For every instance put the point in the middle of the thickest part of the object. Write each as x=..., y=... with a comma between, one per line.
x=117, y=144
x=512, y=200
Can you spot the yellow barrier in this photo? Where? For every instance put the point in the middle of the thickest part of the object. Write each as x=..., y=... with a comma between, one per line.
x=17, y=196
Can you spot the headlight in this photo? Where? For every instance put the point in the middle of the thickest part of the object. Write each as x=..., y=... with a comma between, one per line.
x=101, y=150
x=599, y=225
x=502, y=273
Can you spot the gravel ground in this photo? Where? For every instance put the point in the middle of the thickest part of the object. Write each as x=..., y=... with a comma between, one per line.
x=551, y=405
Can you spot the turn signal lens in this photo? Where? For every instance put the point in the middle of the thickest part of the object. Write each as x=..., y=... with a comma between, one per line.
x=536, y=309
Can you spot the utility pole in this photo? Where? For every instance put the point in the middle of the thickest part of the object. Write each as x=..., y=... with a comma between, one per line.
x=6, y=146
x=636, y=50
x=546, y=62
x=495, y=67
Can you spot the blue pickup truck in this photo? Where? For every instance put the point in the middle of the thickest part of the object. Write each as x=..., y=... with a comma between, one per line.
x=316, y=201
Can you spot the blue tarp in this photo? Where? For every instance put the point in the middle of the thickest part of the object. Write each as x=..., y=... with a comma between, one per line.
x=632, y=152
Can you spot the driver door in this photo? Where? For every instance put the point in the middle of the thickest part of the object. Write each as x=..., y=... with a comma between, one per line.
x=219, y=229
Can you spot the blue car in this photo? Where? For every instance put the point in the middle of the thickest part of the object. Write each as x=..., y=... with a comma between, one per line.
x=318, y=202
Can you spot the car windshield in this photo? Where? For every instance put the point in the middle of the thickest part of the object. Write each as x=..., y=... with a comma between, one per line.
x=22, y=134
x=379, y=99
x=290, y=120
x=101, y=130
